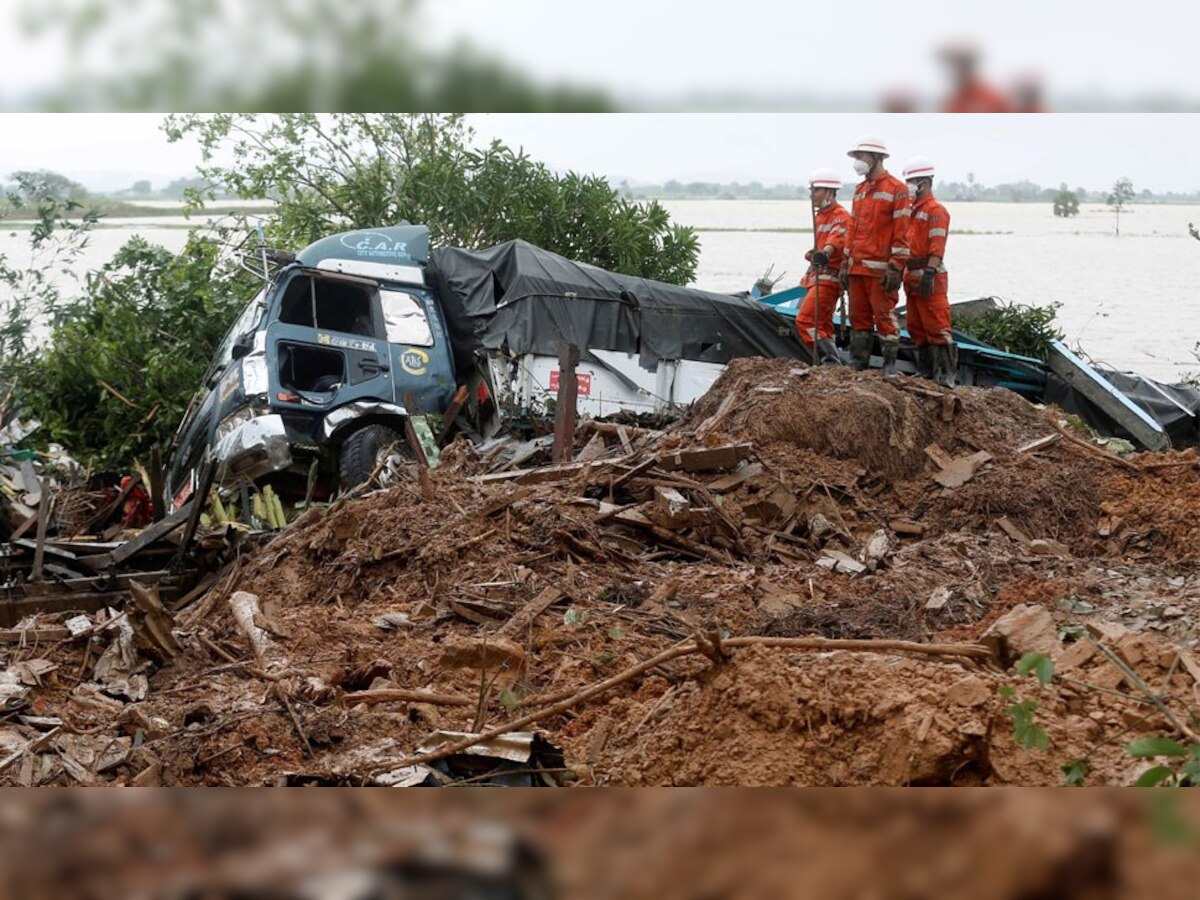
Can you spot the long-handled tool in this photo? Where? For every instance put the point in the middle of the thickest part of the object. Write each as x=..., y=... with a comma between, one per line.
x=813, y=270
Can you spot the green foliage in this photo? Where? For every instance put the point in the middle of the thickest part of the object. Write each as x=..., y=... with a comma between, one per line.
x=125, y=357
x=1066, y=204
x=1183, y=771
x=35, y=292
x=1074, y=772
x=277, y=55
x=1015, y=328
x=1026, y=731
x=330, y=173
x=1039, y=664
x=43, y=185
x=1122, y=194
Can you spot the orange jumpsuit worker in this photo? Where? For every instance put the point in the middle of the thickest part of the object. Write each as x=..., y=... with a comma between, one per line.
x=876, y=252
x=821, y=280
x=926, y=284
x=970, y=93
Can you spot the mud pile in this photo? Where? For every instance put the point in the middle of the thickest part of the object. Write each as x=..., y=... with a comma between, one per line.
x=791, y=504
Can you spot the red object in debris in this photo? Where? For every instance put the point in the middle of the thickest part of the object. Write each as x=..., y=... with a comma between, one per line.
x=584, y=380
x=137, y=510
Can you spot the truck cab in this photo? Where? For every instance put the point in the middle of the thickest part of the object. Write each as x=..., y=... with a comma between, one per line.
x=321, y=366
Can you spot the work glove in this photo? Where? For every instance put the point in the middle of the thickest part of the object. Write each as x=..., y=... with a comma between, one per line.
x=891, y=279
x=820, y=258
x=844, y=278
x=927, y=282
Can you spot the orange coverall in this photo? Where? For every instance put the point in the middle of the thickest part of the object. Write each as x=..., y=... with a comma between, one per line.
x=878, y=234
x=822, y=283
x=928, y=317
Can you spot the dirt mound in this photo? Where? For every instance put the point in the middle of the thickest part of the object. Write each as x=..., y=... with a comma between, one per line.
x=809, y=423
x=487, y=589
x=1154, y=512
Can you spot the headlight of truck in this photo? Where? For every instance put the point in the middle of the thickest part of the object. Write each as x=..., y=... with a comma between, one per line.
x=237, y=419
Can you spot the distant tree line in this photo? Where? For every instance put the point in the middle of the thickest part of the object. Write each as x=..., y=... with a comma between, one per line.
x=1008, y=192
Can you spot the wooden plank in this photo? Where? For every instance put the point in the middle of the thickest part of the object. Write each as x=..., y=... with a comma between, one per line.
x=148, y=536
x=39, y=553
x=1040, y=443
x=1012, y=530
x=593, y=450
x=565, y=417
x=716, y=418
x=13, y=611
x=29, y=522
x=708, y=459
x=106, y=513
x=1083, y=378
x=451, y=414
x=34, y=635
x=547, y=473
x=524, y=617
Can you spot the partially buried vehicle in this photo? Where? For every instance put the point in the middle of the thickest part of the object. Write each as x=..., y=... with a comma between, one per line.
x=360, y=331
x=318, y=366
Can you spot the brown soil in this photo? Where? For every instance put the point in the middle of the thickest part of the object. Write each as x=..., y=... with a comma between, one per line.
x=836, y=457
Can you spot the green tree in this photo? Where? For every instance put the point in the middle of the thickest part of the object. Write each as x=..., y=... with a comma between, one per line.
x=126, y=355
x=1066, y=203
x=35, y=186
x=1122, y=195
x=360, y=170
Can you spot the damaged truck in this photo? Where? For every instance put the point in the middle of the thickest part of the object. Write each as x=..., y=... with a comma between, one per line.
x=360, y=331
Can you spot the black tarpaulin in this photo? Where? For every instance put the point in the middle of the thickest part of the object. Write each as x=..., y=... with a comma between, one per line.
x=524, y=299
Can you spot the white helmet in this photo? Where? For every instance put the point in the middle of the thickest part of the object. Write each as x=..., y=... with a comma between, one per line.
x=869, y=143
x=825, y=178
x=918, y=167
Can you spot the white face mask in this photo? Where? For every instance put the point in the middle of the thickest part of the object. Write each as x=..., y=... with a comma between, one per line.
x=913, y=190
x=861, y=168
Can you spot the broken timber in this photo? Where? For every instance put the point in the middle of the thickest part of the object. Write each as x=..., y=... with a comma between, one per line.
x=708, y=459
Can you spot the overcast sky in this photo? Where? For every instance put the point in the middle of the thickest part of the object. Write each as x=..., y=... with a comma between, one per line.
x=1159, y=152
x=657, y=48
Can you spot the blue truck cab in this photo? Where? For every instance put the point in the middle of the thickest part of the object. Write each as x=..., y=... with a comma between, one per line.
x=321, y=365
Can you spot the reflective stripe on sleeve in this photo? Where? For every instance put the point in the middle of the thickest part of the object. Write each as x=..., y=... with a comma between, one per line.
x=874, y=263
x=899, y=251
x=937, y=232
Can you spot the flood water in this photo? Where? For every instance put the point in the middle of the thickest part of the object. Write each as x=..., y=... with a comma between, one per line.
x=1128, y=301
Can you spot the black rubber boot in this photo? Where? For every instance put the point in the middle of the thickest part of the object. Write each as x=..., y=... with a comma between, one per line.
x=925, y=362
x=945, y=364
x=890, y=350
x=827, y=351
x=860, y=349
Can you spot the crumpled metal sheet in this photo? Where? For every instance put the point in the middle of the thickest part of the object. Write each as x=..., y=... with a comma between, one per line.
x=254, y=449
x=351, y=411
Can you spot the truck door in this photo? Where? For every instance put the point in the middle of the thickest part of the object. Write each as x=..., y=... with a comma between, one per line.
x=420, y=354
x=325, y=343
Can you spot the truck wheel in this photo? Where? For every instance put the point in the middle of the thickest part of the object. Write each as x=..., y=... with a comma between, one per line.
x=364, y=450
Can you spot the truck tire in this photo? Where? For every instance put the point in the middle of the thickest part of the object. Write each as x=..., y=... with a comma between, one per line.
x=364, y=450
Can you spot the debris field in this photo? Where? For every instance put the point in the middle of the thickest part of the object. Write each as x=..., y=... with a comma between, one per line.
x=815, y=577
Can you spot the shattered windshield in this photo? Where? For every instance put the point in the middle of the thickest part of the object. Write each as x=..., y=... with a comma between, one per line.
x=405, y=319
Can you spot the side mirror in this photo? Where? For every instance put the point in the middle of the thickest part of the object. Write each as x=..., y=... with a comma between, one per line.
x=243, y=345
